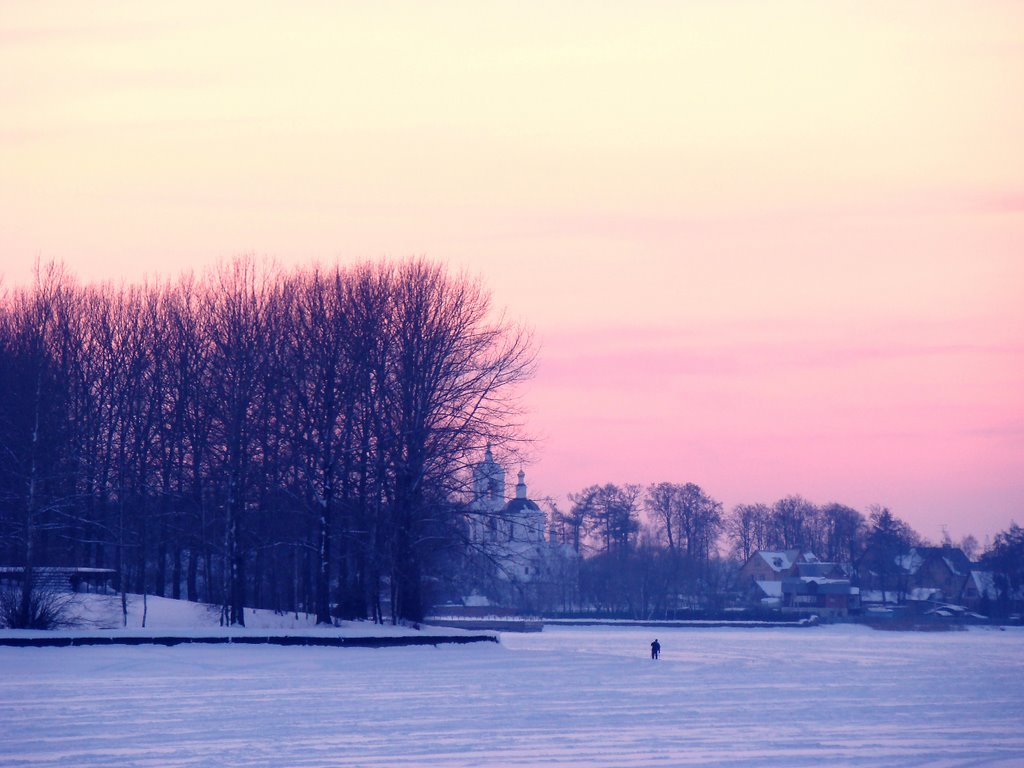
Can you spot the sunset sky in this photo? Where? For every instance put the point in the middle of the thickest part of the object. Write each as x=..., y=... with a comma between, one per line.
x=768, y=247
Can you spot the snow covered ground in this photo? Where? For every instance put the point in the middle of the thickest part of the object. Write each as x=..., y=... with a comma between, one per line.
x=156, y=617
x=838, y=695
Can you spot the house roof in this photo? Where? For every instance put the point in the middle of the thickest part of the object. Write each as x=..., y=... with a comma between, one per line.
x=985, y=583
x=817, y=569
x=770, y=588
x=817, y=585
x=779, y=561
x=910, y=562
x=952, y=557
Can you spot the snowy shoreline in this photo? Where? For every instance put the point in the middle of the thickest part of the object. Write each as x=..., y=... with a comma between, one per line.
x=95, y=619
x=64, y=639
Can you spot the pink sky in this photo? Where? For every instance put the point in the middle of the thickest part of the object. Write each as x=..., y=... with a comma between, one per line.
x=767, y=247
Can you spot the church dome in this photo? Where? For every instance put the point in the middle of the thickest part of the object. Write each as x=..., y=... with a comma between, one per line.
x=521, y=505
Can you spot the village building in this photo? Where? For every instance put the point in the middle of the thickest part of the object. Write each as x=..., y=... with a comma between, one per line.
x=61, y=579
x=760, y=577
x=917, y=575
x=799, y=582
x=820, y=588
x=980, y=593
x=771, y=566
x=513, y=538
x=981, y=586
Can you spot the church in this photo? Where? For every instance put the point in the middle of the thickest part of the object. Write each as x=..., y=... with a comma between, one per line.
x=513, y=533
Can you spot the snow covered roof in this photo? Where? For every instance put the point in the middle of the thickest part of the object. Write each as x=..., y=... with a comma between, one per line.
x=17, y=569
x=953, y=558
x=985, y=583
x=817, y=568
x=770, y=588
x=910, y=562
x=780, y=561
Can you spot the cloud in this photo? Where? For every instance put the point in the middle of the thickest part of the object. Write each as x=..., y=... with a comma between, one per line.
x=1013, y=430
x=615, y=357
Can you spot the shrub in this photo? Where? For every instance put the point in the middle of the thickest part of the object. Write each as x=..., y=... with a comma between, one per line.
x=44, y=609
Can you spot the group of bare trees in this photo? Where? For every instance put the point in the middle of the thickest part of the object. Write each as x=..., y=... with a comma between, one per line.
x=834, y=532
x=650, y=550
x=254, y=437
x=684, y=519
x=643, y=548
x=671, y=546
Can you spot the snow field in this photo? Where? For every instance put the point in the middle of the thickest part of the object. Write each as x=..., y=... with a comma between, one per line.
x=841, y=695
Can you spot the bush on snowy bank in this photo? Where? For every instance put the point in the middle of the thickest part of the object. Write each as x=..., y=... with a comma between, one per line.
x=40, y=609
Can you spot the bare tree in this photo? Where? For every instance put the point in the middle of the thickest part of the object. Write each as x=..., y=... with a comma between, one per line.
x=690, y=518
x=661, y=504
x=748, y=529
x=322, y=391
x=795, y=524
x=610, y=515
x=239, y=307
x=36, y=472
x=450, y=388
x=845, y=530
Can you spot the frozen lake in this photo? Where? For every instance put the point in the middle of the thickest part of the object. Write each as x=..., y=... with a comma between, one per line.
x=566, y=697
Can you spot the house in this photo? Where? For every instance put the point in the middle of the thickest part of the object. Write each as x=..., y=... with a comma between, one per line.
x=918, y=573
x=946, y=569
x=766, y=594
x=820, y=595
x=760, y=577
x=796, y=581
x=61, y=578
x=821, y=570
x=771, y=566
x=821, y=588
x=980, y=591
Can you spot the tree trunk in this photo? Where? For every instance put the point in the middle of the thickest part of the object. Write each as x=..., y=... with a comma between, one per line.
x=192, y=588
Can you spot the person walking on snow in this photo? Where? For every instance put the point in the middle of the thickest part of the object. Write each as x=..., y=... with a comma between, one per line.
x=655, y=649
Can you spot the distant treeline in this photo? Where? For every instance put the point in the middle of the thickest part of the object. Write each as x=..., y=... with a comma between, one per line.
x=655, y=550
x=291, y=440
x=683, y=517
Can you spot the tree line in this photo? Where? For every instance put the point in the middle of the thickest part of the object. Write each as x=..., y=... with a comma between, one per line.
x=301, y=441
x=647, y=551
x=252, y=436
